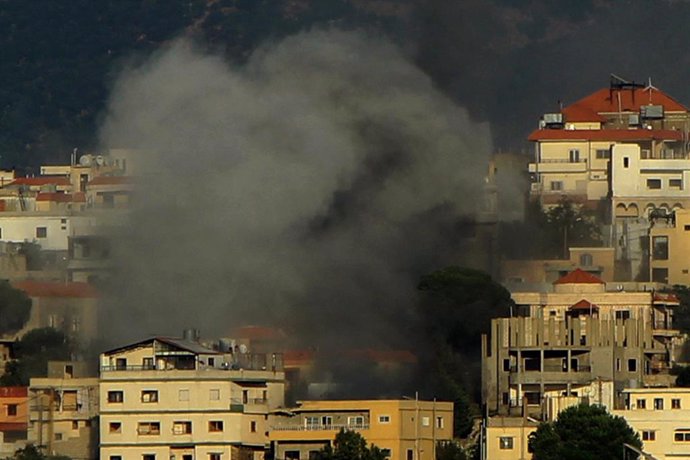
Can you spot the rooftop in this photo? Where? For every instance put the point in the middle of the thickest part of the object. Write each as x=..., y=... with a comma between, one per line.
x=605, y=134
x=579, y=276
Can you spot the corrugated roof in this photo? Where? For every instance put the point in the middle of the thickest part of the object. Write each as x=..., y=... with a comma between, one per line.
x=579, y=276
x=605, y=134
x=59, y=197
x=40, y=180
x=55, y=289
x=110, y=180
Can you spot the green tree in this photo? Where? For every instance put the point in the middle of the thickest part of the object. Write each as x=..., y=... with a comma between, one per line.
x=15, y=308
x=583, y=433
x=450, y=451
x=32, y=352
x=350, y=445
x=456, y=306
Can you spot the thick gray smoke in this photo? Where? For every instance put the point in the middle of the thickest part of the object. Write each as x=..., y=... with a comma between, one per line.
x=308, y=188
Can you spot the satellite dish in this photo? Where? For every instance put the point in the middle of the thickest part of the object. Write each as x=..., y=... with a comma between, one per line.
x=85, y=160
x=100, y=161
x=243, y=349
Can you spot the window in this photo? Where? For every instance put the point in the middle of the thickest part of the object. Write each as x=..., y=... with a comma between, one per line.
x=75, y=424
x=505, y=443
x=384, y=418
x=618, y=364
x=215, y=426
x=58, y=436
x=211, y=362
x=574, y=155
x=148, y=457
x=556, y=185
x=182, y=427
x=149, y=428
x=687, y=228
x=632, y=365
x=626, y=162
x=115, y=457
x=648, y=435
x=681, y=436
x=121, y=364
x=41, y=232
x=660, y=248
x=356, y=420
x=641, y=403
x=439, y=422
x=506, y=365
x=116, y=396
x=623, y=314
x=147, y=363
x=292, y=455
x=675, y=403
x=409, y=454
x=214, y=456
x=586, y=260
x=311, y=422
x=149, y=396
x=214, y=394
x=654, y=184
x=327, y=420
x=426, y=421
x=12, y=410
x=603, y=154
x=660, y=275
x=183, y=395
x=676, y=184
x=658, y=404
x=252, y=426
x=115, y=427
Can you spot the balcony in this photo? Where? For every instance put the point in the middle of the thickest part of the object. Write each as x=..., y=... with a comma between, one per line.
x=319, y=427
x=558, y=166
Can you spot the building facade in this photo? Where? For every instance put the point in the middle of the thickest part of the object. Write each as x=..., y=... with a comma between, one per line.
x=669, y=248
x=175, y=399
x=403, y=429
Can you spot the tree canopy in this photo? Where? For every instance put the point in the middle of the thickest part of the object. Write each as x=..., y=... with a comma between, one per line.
x=583, y=433
x=15, y=308
x=32, y=353
x=350, y=445
x=31, y=452
x=456, y=306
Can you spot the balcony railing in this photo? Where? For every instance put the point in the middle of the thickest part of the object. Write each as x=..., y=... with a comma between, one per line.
x=319, y=427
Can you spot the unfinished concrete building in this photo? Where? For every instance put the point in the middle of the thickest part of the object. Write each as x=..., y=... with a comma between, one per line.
x=560, y=342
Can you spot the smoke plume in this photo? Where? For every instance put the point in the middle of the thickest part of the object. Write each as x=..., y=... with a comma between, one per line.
x=308, y=188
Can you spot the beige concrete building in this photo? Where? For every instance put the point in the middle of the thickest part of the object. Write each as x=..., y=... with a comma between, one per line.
x=562, y=341
x=661, y=417
x=404, y=429
x=669, y=248
x=174, y=399
x=573, y=147
x=63, y=416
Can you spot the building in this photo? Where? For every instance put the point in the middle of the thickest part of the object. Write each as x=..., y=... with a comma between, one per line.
x=566, y=339
x=68, y=307
x=660, y=416
x=175, y=399
x=63, y=411
x=13, y=419
x=405, y=429
x=573, y=146
x=669, y=248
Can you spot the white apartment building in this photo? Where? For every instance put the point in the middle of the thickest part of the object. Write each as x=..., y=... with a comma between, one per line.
x=175, y=399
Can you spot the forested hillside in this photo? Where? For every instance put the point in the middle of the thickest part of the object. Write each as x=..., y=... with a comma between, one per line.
x=59, y=58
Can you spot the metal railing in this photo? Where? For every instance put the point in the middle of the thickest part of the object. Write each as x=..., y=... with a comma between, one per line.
x=320, y=427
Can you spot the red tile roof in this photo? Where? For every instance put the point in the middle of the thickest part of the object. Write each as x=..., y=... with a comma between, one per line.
x=41, y=180
x=605, y=134
x=607, y=101
x=110, y=180
x=577, y=112
x=13, y=392
x=584, y=305
x=579, y=276
x=59, y=197
x=55, y=289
